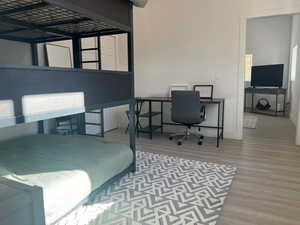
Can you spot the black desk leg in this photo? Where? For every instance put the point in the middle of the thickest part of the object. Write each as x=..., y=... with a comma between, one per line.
x=223, y=114
x=218, y=129
x=162, y=117
x=252, y=103
x=150, y=120
x=276, y=106
x=284, y=104
x=102, y=122
x=137, y=119
x=245, y=101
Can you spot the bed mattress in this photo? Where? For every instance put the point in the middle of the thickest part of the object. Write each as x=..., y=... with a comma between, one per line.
x=68, y=168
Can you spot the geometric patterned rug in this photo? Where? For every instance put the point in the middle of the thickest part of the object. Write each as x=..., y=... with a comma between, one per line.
x=164, y=191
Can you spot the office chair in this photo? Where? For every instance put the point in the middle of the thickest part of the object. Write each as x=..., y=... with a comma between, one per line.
x=187, y=110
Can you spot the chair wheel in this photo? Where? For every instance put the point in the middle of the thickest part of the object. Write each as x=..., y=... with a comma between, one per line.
x=170, y=138
x=179, y=143
x=200, y=143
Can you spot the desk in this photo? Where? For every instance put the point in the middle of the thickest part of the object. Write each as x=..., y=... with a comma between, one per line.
x=266, y=91
x=220, y=102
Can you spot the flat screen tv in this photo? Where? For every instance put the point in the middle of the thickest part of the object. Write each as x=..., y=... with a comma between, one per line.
x=267, y=76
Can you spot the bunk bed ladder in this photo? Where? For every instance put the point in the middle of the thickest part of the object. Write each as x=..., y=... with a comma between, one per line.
x=96, y=60
x=84, y=64
x=100, y=124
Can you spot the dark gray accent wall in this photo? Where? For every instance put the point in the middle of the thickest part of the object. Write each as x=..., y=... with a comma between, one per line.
x=99, y=87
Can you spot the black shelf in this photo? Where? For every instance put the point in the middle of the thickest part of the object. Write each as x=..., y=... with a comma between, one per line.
x=148, y=129
x=270, y=112
x=147, y=115
x=93, y=112
x=94, y=124
x=266, y=91
x=95, y=135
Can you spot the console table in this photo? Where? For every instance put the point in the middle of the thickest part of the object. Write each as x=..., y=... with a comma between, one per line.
x=266, y=91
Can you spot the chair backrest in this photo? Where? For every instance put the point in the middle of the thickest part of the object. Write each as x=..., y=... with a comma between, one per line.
x=186, y=107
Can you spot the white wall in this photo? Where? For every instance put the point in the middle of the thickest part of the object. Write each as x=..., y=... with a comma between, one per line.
x=269, y=40
x=13, y=52
x=295, y=85
x=197, y=41
x=188, y=43
x=18, y=54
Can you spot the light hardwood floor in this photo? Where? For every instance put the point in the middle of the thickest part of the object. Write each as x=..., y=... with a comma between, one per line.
x=266, y=189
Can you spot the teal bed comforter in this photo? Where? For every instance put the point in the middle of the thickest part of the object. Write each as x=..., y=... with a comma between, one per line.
x=68, y=168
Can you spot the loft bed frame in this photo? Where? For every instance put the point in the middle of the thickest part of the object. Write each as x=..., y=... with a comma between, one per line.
x=39, y=21
x=36, y=21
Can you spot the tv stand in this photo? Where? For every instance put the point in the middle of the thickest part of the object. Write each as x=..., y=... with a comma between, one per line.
x=266, y=91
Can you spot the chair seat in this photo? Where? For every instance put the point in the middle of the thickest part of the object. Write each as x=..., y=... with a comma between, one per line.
x=189, y=123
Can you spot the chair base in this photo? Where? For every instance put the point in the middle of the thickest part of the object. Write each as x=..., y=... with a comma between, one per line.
x=185, y=136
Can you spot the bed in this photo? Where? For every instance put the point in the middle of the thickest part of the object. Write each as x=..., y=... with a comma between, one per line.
x=37, y=171
x=68, y=168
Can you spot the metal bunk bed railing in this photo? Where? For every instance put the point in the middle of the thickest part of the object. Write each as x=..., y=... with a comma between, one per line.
x=37, y=21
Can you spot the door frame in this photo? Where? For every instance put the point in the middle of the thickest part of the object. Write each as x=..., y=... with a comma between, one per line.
x=242, y=52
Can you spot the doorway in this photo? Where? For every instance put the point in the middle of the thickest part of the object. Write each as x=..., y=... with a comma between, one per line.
x=270, y=66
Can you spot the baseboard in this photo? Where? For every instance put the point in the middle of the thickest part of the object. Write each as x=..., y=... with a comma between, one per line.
x=233, y=136
x=293, y=118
